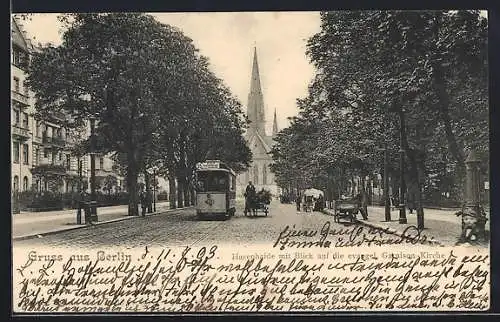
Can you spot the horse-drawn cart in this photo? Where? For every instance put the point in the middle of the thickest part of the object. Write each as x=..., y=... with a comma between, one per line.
x=259, y=203
x=346, y=209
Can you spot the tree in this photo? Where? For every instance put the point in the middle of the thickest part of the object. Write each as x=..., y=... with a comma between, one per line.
x=375, y=67
x=139, y=78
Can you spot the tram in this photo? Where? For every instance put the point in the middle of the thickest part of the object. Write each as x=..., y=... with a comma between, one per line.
x=215, y=190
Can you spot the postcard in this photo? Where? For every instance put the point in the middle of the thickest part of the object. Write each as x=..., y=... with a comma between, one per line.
x=220, y=162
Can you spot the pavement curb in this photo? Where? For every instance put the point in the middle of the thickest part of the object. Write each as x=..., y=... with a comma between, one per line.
x=384, y=228
x=41, y=235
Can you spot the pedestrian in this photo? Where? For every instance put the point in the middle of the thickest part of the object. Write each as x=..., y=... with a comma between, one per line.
x=297, y=201
x=249, y=196
x=411, y=198
x=319, y=205
x=144, y=203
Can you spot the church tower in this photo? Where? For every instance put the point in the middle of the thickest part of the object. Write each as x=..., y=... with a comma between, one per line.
x=258, y=141
x=255, y=107
x=275, y=124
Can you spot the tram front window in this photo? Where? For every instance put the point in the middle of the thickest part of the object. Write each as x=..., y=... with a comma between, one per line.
x=212, y=181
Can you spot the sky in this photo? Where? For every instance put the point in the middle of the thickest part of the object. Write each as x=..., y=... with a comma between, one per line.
x=228, y=39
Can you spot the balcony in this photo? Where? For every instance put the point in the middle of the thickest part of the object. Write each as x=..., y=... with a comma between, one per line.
x=37, y=139
x=57, y=141
x=20, y=99
x=47, y=168
x=57, y=116
x=20, y=133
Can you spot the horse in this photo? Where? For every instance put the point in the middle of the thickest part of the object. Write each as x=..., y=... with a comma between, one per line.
x=251, y=205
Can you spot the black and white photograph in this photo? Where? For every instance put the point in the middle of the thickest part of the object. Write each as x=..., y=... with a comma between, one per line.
x=330, y=161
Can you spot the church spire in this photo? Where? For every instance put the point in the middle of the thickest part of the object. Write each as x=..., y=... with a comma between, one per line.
x=255, y=107
x=275, y=124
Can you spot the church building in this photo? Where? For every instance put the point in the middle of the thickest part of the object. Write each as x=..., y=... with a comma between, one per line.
x=258, y=141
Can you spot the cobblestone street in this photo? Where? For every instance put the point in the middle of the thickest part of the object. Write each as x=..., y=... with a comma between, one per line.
x=181, y=228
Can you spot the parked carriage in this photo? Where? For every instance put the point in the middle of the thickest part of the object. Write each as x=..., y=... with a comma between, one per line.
x=346, y=209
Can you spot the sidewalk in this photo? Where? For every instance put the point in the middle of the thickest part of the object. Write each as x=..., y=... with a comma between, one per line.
x=441, y=226
x=31, y=224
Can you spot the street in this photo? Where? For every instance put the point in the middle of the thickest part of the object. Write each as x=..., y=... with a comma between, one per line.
x=181, y=228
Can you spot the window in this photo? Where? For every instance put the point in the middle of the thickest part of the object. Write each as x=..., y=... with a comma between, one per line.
x=25, y=183
x=26, y=90
x=256, y=175
x=101, y=163
x=17, y=117
x=36, y=156
x=233, y=183
x=59, y=156
x=15, y=56
x=68, y=162
x=212, y=181
x=15, y=187
x=16, y=152
x=25, y=120
x=264, y=175
x=16, y=84
x=45, y=153
x=20, y=58
x=25, y=154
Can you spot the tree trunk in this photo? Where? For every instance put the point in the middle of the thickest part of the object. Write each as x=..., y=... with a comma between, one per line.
x=353, y=185
x=148, y=192
x=443, y=106
x=132, y=173
x=180, y=192
x=193, y=196
x=172, y=197
x=187, y=191
x=364, y=199
x=414, y=183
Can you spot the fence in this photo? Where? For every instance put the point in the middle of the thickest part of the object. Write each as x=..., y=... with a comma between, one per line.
x=48, y=201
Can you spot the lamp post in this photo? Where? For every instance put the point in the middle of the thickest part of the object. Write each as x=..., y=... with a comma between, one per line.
x=402, y=186
x=155, y=169
x=80, y=195
x=387, y=201
x=93, y=198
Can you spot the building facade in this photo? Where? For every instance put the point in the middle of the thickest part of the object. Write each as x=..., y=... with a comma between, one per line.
x=21, y=111
x=41, y=151
x=257, y=139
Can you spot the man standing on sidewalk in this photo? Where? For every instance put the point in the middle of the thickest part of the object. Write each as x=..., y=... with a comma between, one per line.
x=297, y=201
x=144, y=203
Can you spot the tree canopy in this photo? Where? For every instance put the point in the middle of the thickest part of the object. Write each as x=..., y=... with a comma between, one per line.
x=152, y=96
x=376, y=67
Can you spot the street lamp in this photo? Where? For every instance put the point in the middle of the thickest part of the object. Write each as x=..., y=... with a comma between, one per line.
x=155, y=169
x=93, y=198
x=402, y=206
x=387, y=201
x=80, y=194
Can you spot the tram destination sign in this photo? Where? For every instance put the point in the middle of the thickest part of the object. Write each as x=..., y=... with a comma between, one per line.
x=209, y=164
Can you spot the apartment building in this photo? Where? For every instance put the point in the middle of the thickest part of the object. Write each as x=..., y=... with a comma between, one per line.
x=42, y=156
x=21, y=110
